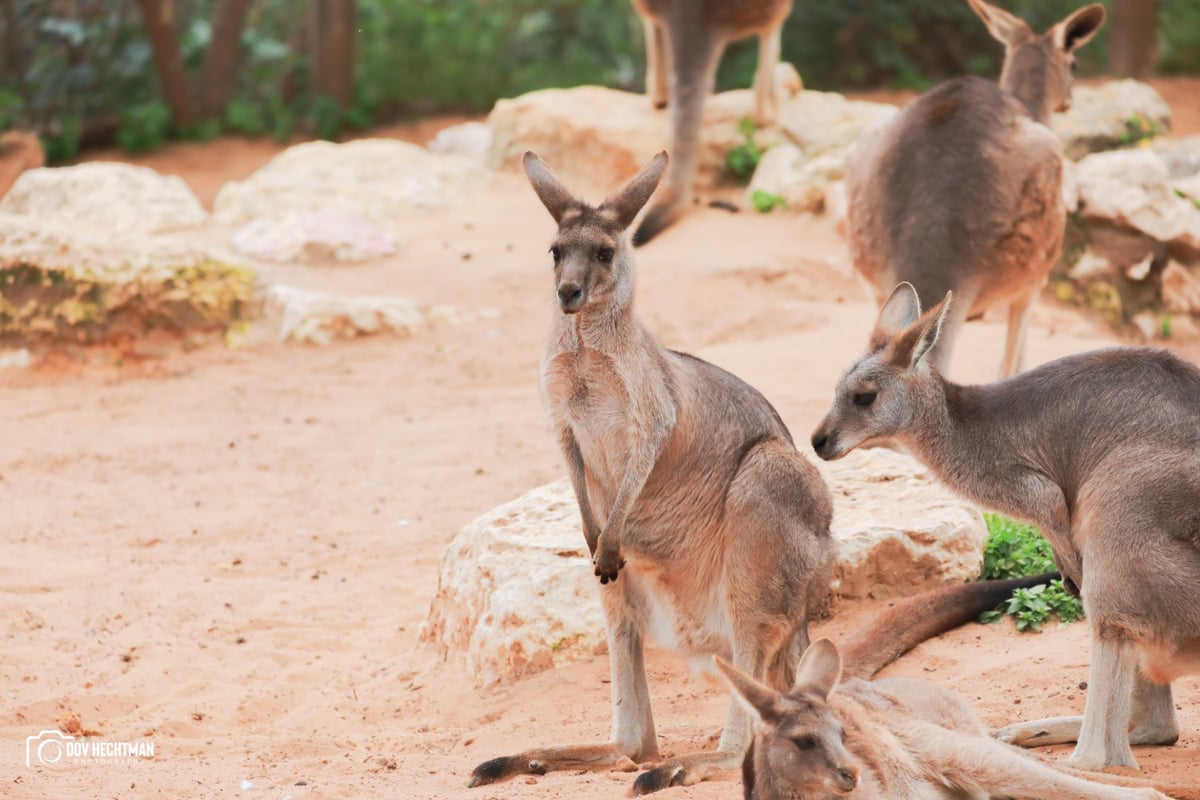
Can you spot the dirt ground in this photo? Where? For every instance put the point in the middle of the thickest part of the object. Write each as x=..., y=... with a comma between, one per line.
x=230, y=552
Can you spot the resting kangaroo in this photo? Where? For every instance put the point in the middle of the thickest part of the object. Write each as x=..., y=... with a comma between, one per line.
x=684, y=43
x=897, y=738
x=707, y=526
x=962, y=190
x=1102, y=451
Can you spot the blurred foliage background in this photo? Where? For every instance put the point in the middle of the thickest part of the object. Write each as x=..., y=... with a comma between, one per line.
x=85, y=72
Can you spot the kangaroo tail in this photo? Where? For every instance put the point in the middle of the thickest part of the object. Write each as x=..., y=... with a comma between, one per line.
x=694, y=60
x=905, y=625
x=1130, y=782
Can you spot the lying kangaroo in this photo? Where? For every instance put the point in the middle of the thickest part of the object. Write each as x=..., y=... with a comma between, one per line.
x=962, y=190
x=690, y=489
x=687, y=37
x=898, y=738
x=1102, y=451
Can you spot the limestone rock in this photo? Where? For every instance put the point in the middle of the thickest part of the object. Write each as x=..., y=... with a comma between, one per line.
x=1110, y=115
x=1132, y=188
x=339, y=235
x=802, y=181
x=470, y=140
x=1181, y=155
x=516, y=593
x=59, y=281
x=1181, y=288
x=826, y=123
x=19, y=151
x=105, y=196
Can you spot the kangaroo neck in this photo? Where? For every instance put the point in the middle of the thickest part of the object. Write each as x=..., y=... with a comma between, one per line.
x=1030, y=89
x=610, y=329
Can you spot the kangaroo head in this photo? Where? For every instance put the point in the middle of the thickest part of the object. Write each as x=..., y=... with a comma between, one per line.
x=1038, y=68
x=593, y=257
x=883, y=392
x=799, y=747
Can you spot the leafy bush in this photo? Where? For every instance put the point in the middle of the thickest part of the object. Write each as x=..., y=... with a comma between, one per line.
x=743, y=159
x=766, y=202
x=1016, y=550
x=144, y=126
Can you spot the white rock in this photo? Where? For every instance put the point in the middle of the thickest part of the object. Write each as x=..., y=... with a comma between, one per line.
x=1110, y=115
x=340, y=235
x=826, y=123
x=15, y=358
x=516, y=593
x=470, y=140
x=379, y=180
x=801, y=180
x=1181, y=288
x=1132, y=188
x=1182, y=155
x=105, y=196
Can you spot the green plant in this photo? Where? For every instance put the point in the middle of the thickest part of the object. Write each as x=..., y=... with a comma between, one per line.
x=743, y=159
x=766, y=202
x=144, y=126
x=1016, y=550
x=1165, y=326
x=1138, y=128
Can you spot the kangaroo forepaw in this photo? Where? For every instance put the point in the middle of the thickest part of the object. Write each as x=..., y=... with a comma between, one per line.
x=608, y=565
x=659, y=778
x=503, y=768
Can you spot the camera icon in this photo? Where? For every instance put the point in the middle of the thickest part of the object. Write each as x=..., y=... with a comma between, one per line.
x=47, y=748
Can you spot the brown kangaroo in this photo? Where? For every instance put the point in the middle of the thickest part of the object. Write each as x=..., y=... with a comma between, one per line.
x=1102, y=451
x=690, y=491
x=684, y=43
x=962, y=190
x=898, y=738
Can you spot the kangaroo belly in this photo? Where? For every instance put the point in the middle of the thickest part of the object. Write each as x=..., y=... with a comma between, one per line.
x=688, y=616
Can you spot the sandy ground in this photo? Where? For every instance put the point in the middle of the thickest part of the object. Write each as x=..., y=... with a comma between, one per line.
x=230, y=552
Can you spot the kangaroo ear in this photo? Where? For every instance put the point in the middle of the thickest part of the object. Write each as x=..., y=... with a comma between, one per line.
x=626, y=203
x=1078, y=29
x=550, y=189
x=761, y=700
x=820, y=668
x=917, y=339
x=1003, y=26
x=901, y=309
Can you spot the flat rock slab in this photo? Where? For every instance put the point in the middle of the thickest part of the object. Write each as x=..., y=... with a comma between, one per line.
x=516, y=593
x=1109, y=116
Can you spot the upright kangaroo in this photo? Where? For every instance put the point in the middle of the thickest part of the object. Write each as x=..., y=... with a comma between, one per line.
x=897, y=738
x=1102, y=451
x=684, y=43
x=706, y=526
x=962, y=190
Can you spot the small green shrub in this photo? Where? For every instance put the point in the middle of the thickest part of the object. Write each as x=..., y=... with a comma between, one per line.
x=743, y=159
x=1016, y=550
x=144, y=126
x=766, y=202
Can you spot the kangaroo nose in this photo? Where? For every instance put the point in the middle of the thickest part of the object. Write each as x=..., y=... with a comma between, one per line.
x=819, y=440
x=848, y=777
x=568, y=293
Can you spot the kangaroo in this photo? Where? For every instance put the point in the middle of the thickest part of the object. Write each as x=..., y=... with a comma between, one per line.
x=706, y=525
x=684, y=43
x=962, y=189
x=897, y=738
x=1101, y=450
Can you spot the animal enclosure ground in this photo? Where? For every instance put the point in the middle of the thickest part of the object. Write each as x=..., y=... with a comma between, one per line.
x=230, y=552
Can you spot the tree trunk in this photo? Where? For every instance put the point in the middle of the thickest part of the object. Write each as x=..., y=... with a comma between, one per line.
x=332, y=37
x=219, y=77
x=10, y=62
x=159, y=17
x=1133, y=40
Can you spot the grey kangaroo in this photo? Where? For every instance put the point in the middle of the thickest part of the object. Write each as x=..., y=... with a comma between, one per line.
x=684, y=43
x=962, y=190
x=1102, y=451
x=706, y=525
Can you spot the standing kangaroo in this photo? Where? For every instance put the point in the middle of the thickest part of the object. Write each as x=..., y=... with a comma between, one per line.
x=706, y=525
x=898, y=738
x=1102, y=451
x=962, y=190
x=684, y=43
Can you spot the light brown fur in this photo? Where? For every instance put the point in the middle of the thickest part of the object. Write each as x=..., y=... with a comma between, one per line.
x=1101, y=450
x=684, y=43
x=963, y=189
x=708, y=529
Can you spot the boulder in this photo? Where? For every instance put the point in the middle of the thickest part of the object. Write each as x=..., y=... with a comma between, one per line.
x=1181, y=288
x=19, y=151
x=1133, y=189
x=107, y=197
x=63, y=282
x=362, y=186
x=470, y=140
x=516, y=593
x=802, y=181
x=1111, y=115
x=1181, y=155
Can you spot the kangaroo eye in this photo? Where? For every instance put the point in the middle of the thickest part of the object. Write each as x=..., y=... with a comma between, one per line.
x=864, y=398
x=804, y=742
x=604, y=255
x=555, y=252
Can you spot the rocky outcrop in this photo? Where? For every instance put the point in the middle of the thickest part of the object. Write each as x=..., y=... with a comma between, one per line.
x=19, y=151
x=105, y=196
x=1111, y=115
x=339, y=200
x=516, y=593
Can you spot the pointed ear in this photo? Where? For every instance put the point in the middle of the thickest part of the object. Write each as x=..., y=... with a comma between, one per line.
x=626, y=203
x=550, y=190
x=1003, y=26
x=762, y=700
x=901, y=309
x=820, y=668
x=1078, y=29
x=910, y=346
